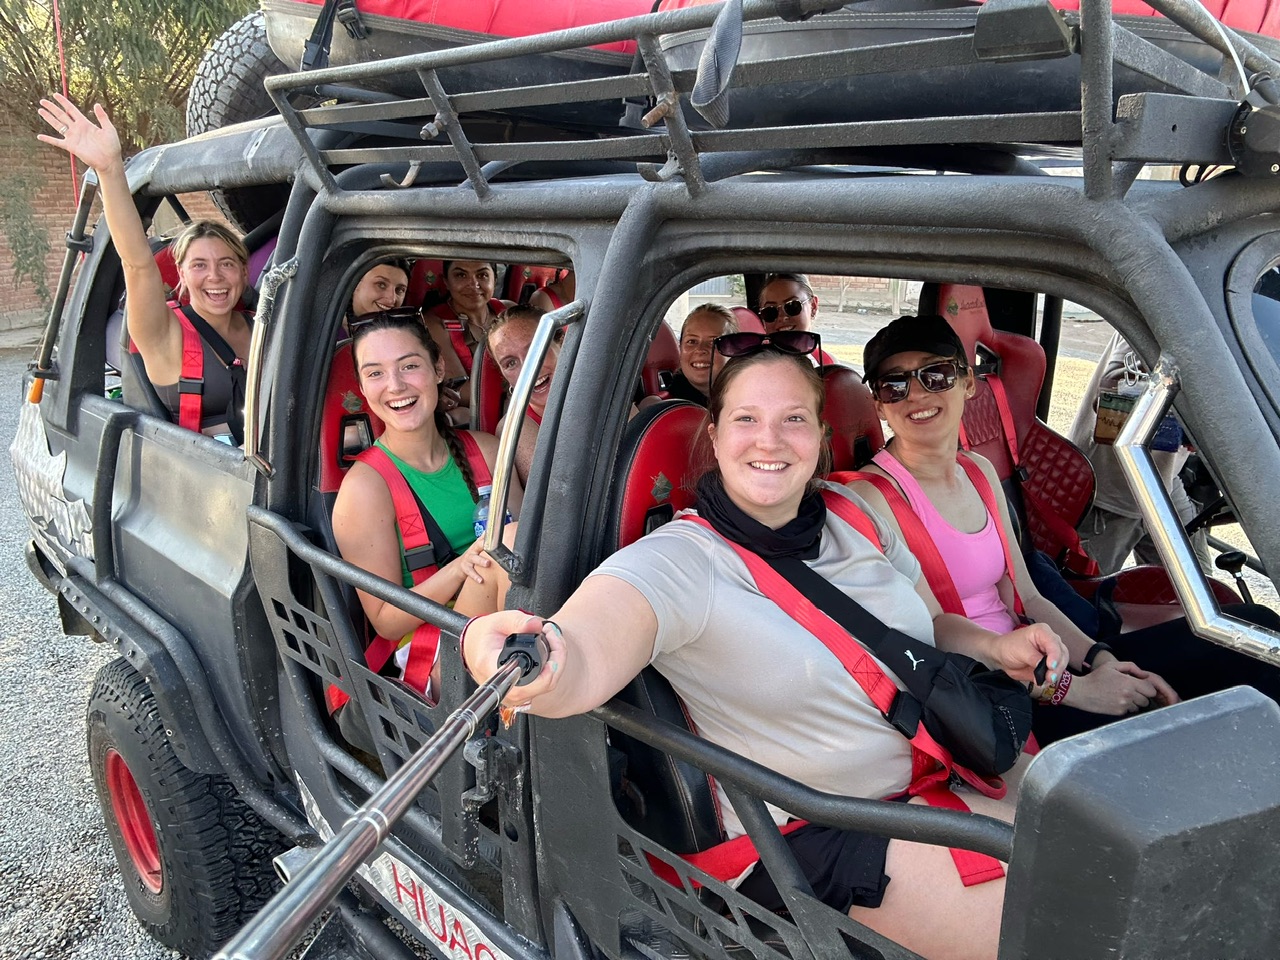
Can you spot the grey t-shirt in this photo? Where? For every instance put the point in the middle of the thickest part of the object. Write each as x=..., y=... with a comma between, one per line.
x=757, y=682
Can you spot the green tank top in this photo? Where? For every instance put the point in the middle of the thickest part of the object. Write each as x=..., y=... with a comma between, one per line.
x=444, y=493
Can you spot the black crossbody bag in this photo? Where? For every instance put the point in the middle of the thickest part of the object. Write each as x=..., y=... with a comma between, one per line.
x=982, y=716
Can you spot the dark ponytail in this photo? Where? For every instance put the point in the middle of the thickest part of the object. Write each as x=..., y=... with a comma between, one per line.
x=453, y=438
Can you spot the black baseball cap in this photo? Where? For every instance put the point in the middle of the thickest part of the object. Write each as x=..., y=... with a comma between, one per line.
x=929, y=334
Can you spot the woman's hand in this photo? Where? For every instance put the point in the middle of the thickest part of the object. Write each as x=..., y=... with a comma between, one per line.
x=1117, y=687
x=473, y=561
x=98, y=144
x=484, y=638
x=1019, y=653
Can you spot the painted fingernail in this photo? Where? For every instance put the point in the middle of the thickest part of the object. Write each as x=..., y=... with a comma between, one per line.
x=554, y=666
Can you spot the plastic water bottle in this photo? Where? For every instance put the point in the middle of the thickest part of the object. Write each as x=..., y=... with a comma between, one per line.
x=480, y=519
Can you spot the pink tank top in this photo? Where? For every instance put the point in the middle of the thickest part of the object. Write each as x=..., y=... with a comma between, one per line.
x=974, y=560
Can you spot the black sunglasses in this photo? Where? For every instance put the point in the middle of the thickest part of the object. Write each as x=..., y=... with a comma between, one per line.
x=791, y=308
x=938, y=376
x=399, y=316
x=799, y=343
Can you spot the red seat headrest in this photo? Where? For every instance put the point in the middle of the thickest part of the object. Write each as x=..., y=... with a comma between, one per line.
x=748, y=322
x=655, y=464
x=850, y=412
x=426, y=278
x=1022, y=367
x=488, y=390
x=522, y=279
x=347, y=426
x=663, y=358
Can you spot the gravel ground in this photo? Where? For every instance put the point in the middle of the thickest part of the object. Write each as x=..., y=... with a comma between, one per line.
x=58, y=883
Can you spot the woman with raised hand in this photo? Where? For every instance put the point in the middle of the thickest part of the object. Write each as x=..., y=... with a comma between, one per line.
x=420, y=456
x=756, y=681
x=211, y=263
x=955, y=508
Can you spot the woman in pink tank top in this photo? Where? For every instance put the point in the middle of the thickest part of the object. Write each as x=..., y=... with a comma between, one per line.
x=917, y=370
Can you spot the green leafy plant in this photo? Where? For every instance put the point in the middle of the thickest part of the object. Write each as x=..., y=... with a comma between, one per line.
x=135, y=57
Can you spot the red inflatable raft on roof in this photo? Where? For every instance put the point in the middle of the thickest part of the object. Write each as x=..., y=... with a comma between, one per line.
x=504, y=18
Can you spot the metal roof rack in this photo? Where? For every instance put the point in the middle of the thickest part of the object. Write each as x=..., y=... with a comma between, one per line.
x=1178, y=111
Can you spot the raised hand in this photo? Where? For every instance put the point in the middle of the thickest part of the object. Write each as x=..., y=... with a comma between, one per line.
x=97, y=144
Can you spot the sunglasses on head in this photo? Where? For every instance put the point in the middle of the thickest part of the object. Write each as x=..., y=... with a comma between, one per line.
x=799, y=343
x=791, y=308
x=938, y=376
x=400, y=316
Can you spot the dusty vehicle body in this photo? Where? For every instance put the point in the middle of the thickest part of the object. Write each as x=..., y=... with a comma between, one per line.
x=214, y=571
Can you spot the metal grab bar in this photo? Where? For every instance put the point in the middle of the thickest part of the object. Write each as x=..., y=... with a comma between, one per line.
x=271, y=934
x=1165, y=528
x=505, y=465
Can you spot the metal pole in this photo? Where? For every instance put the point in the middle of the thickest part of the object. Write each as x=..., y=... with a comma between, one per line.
x=271, y=934
x=1165, y=528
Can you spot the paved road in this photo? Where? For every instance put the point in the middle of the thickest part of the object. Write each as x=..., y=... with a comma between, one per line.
x=58, y=884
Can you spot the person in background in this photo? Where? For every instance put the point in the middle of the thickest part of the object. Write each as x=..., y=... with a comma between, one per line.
x=382, y=287
x=556, y=293
x=699, y=362
x=459, y=324
x=509, y=338
x=1113, y=527
x=787, y=302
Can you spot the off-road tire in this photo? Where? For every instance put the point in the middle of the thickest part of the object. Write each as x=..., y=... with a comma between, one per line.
x=228, y=89
x=194, y=858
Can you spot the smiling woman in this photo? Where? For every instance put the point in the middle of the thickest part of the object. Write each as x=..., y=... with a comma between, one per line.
x=211, y=262
x=421, y=463
x=683, y=598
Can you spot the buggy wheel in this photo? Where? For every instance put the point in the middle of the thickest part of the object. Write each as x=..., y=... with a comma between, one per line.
x=228, y=89
x=194, y=858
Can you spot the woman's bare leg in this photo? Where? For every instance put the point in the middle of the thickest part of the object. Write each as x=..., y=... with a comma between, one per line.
x=927, y=909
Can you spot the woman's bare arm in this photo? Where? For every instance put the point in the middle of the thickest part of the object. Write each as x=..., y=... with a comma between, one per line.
x=151, y=322
x=606, y=634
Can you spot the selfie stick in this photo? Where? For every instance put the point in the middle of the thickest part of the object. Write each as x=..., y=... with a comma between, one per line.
x=271, y=934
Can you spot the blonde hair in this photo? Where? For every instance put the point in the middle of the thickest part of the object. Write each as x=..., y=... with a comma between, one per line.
x=202, y=229
x=715, y=309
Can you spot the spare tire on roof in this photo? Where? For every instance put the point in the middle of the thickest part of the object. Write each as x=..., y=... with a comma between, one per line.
x=228, y=88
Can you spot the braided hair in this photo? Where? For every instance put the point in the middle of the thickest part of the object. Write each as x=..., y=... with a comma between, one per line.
x=410, y=320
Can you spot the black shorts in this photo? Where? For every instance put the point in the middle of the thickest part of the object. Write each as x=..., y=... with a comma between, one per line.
x=844, y=867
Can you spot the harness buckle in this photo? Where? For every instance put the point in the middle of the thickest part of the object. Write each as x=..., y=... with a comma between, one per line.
x=420, y=557
x=191, y=385
x=904, y=714
x=1022, y=473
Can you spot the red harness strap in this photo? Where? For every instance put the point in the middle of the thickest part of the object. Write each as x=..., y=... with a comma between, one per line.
x=1074, y=557
x=457, y=330
x=533, y=415
x=424, y=644
x=191, y=376
x=921, y=543
x=931, y=763
x=556, y=302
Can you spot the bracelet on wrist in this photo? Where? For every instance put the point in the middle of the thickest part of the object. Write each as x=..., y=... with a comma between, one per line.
x=1086, y=665
x=1060, y=690
x=462, y=642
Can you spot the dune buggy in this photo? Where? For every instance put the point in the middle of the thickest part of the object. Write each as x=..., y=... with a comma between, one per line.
x=896, y=142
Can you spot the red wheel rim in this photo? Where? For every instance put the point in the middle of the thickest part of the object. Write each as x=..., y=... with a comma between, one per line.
x=134, y=821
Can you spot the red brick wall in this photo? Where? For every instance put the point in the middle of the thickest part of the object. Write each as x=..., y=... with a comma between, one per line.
x=53, y=206
x=24, y=159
